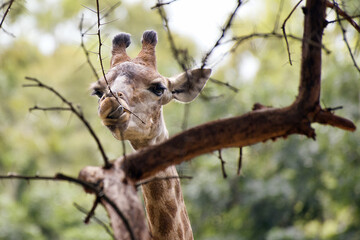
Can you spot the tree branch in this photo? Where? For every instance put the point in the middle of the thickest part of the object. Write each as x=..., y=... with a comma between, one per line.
x=239, y=161
x=284, y=30
x=222, y=35
x=6, y=11
x=97, y=220
x=93, y=187
x=240, y=39
x=121, y=191
x=86, y=52
x=180, y=55
x=160, y=4
x=338, y=12
x=222, y=164
x=257, y=126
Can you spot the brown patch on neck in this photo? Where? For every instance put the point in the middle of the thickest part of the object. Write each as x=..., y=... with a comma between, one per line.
x=165, y=223
x=155, y=188
x=172, y=207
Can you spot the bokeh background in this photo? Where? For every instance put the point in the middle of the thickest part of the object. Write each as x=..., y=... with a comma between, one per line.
x=296, y=188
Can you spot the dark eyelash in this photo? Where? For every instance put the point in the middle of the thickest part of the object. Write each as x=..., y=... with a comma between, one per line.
x=158, y=89
x=97, y=93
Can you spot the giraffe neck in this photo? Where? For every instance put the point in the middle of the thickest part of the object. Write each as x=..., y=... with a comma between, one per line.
x=164, y=202
x=165, y=207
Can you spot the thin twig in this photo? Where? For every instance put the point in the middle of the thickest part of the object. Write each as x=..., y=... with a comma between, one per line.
x=160, y=4
x=181, y=55
x=6, y=12
x=73, y=109
x=239, y=161
x=240, y=39
x=284, y=31
x=342, y=19
x=49, y=108
x=331, y=109
x=344, y=35
x=185, y=120
x=92, y=210
x=100, y=45
x=222, y=35
x=342, y=13
x=96, y=219
x=224, y=84
x=111, y=9
x=161, y=179
x=277, y=19
x=12, y=175
x=92, y=10
x=4, y=4
x=222, y=164
x=86, y=52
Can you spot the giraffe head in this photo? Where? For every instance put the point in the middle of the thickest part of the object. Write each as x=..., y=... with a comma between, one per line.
x=132, y=110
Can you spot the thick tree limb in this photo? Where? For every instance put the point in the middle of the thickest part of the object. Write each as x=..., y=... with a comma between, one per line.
x=120, y=191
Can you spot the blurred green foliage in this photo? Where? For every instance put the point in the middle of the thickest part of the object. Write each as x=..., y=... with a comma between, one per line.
x=289, y=189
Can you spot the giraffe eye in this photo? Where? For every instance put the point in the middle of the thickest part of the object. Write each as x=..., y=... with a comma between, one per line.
x=158, y=89
x=97, y=93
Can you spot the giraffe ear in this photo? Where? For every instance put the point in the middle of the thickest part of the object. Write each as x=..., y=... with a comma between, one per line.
x=186, y=86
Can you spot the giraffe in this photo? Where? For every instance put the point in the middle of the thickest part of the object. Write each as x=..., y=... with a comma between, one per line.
x=132, y=111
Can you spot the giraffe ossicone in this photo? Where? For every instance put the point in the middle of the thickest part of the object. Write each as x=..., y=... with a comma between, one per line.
x=132, y=111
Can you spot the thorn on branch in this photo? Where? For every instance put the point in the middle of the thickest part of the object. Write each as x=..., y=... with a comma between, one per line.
x=259, y=106
x=333, y=108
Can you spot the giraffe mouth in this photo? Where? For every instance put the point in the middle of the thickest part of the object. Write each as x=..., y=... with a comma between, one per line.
x=112, y=113
x=116, y=113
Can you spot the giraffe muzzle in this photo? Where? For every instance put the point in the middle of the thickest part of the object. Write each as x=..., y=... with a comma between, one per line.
x=111, y=109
